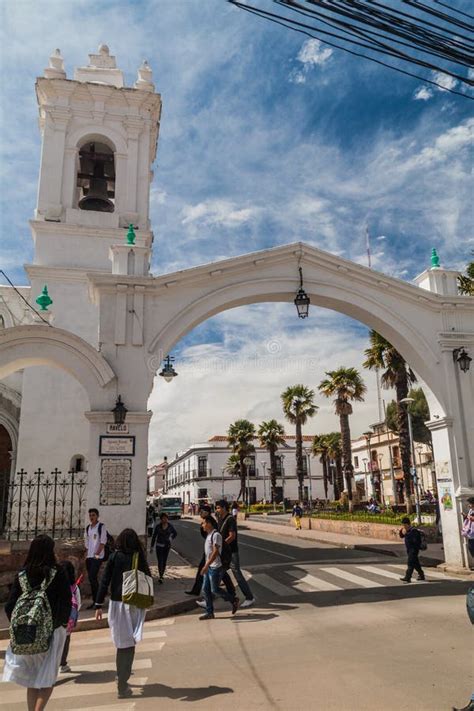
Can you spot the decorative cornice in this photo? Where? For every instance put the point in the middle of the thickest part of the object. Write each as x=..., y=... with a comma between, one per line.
x=440, y=423
x=133, y=418
x=64, y=229
x=67, y=274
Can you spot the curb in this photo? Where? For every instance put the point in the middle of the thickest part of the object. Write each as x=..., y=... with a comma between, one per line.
x=154, y=613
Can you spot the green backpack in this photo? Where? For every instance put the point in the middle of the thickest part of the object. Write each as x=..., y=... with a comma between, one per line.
x=31, y=624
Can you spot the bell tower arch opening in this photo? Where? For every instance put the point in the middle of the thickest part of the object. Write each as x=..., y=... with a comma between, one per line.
x=95, y=184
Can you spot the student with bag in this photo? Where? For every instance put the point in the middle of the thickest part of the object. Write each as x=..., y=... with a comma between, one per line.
x=96, y=543
x=38, y=608
x=131, y=592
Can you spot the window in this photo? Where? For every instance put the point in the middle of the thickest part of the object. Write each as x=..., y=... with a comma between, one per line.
x=2, y=321
x=396, y=456
x=96, y=178
x=356, y=462
x=278, y=466
x=202, y=466
x=78, y=463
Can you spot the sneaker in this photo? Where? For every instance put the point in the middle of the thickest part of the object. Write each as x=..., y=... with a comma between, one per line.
x=235, y=605
x=65, y=668
x=201, y=603
x=207, y=616
x=406, y=580
x=247, y=603
x=125, y=693
x=421, y=577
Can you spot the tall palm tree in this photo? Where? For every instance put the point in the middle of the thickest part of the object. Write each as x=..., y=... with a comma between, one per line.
x=298, y=406
x=272, y=435
x=240, y=437
x=232, y=466
x=319, y=446
x=334, y=445
x=345, y=384
x=396, y=374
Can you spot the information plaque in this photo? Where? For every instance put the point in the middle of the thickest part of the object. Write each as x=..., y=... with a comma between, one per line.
x=115, y=482
x=116, y=446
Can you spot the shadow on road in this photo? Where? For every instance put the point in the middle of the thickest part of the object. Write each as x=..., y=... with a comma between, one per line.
x=191, y=693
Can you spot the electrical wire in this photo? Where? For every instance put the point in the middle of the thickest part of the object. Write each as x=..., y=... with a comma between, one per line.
x=22, y=297
x=373, y=26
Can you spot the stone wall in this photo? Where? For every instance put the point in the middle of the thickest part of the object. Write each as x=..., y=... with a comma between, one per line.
x=362, y=528
x=13, y=554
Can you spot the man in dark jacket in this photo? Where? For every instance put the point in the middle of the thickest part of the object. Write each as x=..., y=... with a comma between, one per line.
x=412, y=538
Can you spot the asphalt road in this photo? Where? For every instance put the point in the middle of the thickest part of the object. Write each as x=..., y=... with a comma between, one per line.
x=331, y=629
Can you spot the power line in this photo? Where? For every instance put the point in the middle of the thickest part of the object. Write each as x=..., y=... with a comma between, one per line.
x=22, y=297
x=418, y=40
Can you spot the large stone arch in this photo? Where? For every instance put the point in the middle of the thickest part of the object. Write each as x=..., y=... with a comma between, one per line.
x=26, y=346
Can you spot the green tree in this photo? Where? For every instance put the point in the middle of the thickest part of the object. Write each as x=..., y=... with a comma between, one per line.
x=272, y=436
x=240, y=437
x=346, y=385
x=396, y=374
x=233, y=465
x=466, y=281
x=298, y=407
x=319, y=447
x=334, y=442
x=420, y=413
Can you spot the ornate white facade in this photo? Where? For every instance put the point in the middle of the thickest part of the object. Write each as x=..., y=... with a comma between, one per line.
x=112, y=322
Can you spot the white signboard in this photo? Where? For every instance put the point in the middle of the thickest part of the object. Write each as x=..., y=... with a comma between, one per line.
x=117, y=446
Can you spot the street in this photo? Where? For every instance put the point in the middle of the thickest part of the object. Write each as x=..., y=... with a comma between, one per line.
x=331, y=629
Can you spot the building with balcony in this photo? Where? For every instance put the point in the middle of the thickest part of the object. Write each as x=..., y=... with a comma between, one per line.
x=202, y=472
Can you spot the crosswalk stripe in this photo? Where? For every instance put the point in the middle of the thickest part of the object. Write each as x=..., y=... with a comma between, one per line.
x=106, y=640
x=379, y=571
x=273, y=585
x=73, y=690
x=313, y=582
x=351, y=578
x=77, y=651
x=429, y=572
x=98, y=667
x=107, y=707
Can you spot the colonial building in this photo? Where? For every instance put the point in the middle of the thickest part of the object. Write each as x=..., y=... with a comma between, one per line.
x=378, y=469
x=202, y=472
x=156, y=477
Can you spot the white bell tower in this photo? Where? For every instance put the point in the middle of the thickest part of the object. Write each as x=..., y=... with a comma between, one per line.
x=99, y=140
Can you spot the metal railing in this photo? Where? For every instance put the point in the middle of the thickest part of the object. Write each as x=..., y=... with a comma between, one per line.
x=36, y=503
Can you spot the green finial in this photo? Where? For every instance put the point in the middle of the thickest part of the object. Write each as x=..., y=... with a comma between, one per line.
x=434, y=259
x=44, y=299
x=130, y=235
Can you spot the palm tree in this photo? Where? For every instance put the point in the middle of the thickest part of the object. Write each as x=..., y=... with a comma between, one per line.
x=334, y=444
x=345, y=384
x=232, y=466
x=397, y=374
x=319, y=447
x=272, y=436
x=240, y=437
x=298, y=406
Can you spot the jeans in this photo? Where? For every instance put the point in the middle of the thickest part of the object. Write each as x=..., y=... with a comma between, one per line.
x=413, y=564
x=241, y=582
x=93, y=568
x=162, y=553
x=211, y=587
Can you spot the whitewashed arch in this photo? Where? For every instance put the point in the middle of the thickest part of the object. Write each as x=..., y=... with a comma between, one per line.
x=26, y=346
x=91, y=132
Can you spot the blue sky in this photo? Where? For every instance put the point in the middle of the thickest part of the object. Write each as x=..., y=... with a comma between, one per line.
x=266, y=138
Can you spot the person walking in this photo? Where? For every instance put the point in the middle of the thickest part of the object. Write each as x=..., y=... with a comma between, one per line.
x=95, y=539
x=413, y=541
x=163, y=534
x=297, y=514
x=74, y=615
x=125, y=621
x=204, y=512
x=228, y=524
x=468, y=526
x=35, y=624
x=213, y=571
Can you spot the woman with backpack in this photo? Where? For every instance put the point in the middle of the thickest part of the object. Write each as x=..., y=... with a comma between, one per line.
x=38, y=608
x=125, y=621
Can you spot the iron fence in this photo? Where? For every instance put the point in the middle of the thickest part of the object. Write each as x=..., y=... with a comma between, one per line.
x=36, y=503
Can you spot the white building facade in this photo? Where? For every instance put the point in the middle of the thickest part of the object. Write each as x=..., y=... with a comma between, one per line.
x=202, y=472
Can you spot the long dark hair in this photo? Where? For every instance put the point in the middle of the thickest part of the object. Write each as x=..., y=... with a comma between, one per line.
x=129, y=543
x=41, y=557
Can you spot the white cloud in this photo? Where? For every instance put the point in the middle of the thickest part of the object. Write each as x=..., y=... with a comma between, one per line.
x=445, y=80
x=312, y=54
x=217, y=212
x=423, y=93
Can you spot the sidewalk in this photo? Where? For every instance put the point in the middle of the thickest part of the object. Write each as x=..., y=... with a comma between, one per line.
x=169, y=597
x=432, y=557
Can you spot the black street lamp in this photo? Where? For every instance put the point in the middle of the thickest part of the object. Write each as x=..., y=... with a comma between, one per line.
x=168, y=372
x=119, y=411
x=302, y=300
x=461, y=356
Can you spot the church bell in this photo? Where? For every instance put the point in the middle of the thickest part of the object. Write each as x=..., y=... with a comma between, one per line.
x=97, y=179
